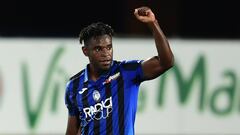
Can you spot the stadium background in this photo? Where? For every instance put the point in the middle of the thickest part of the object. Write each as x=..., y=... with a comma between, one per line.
x=39, y=51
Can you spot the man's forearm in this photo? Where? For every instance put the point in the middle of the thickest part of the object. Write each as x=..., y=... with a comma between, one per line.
x=164, y=52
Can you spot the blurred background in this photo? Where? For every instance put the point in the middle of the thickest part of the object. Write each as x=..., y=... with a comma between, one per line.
x=178, y=18
x=39, y=52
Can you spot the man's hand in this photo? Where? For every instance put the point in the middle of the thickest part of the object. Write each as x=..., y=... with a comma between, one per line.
x=144, y=14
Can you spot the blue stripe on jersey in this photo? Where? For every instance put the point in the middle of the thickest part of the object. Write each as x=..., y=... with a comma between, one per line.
x=85, y=103
x=70, y=103
x=129, y=114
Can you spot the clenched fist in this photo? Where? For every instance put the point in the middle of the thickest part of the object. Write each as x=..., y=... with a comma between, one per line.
x=144, y=14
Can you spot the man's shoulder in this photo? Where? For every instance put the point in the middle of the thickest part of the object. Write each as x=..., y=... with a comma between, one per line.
x=130, y=64
x=76, y=76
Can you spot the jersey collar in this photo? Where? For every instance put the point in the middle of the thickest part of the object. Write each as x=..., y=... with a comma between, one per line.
x=86, y=72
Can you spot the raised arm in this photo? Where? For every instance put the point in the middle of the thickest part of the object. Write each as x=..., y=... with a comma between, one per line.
x=155, y=66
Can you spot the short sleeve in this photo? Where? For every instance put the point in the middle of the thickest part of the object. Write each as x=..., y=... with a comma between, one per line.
x=70, y=100
x=133, y=69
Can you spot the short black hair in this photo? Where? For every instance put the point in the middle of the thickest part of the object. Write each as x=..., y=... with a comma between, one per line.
x=94, y=30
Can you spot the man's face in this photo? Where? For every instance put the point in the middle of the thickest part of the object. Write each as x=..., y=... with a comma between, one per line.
x=99, y=51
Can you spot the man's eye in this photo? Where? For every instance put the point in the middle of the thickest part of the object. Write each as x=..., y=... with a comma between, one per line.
x=97, y=49
x=109, y=47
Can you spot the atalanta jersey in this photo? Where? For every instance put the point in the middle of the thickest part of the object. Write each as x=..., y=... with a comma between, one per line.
x=107, y=106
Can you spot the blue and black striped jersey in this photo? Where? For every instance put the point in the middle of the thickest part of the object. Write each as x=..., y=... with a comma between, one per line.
x=107, y=106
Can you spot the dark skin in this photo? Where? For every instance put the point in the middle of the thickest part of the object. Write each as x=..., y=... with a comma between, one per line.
x=100, y=53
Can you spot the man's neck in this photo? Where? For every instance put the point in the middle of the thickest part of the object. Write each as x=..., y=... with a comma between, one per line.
x=94, y=73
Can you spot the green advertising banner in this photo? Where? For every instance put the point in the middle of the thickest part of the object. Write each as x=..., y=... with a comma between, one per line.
x=199, y=95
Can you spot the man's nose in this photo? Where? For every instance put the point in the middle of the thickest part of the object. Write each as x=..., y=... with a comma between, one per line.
x=106, y=51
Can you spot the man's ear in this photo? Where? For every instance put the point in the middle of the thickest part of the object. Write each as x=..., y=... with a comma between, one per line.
x=85, y=51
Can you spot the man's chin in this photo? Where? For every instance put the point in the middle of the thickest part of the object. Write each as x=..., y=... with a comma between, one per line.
x=105, y=67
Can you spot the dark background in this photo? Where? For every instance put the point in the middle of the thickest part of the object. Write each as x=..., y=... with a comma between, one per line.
x=178, y=18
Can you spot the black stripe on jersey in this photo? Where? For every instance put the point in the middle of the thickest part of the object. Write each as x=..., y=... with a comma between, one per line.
x=97, y=127
x=67, y=97
x=75, y=90
x=97, y=122
x=76, y=75
x=75, y=79
x=120, y=105
x=130, y=66
x=85, y=104
x=109, y=119
x=137, y=79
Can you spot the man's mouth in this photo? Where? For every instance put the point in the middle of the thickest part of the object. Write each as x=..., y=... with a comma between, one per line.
x=105, y=62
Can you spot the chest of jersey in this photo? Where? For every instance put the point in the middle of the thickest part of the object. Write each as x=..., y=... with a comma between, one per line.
x=95, y=99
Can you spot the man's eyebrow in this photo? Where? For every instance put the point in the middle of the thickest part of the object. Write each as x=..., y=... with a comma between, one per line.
x=98, y=46
x=101, y=46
